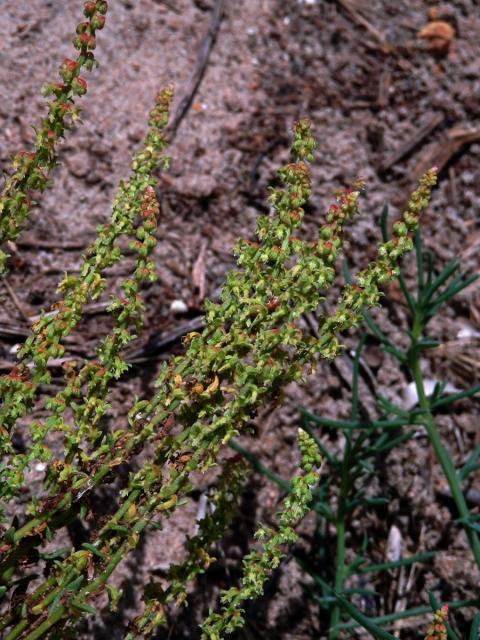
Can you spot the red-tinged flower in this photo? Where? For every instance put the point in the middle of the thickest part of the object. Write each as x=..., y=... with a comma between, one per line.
x=437, y=629
x=84, y=41
x=79, y=86
x=98, y=21
x=88, y=41
x=68, y=69
x=58, y=88
x=70, y=65
x=65, y=107
x=82, y=27
x=15, y=374
x=89, y=9
x=273, y=303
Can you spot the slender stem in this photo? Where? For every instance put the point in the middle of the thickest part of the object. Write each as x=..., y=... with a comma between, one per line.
x=340, y=527
x=441, y=453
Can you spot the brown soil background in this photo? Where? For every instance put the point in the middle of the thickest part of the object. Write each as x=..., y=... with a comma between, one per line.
x=367, y=91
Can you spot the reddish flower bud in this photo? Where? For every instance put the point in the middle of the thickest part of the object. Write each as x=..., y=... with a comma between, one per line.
x=82, y=27
x=26, y=154
x=70, y=65
x=90, y=61
x=84, y=41
x=68, y=69
x=273, y=303
x=88, y=41
x=98, y=22
x=65, y=107
x=58, y=88
x=89, y=9
x=79, y=86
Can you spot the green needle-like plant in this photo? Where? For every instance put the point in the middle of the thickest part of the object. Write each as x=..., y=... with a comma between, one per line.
x=367, y=440
x=433, y=291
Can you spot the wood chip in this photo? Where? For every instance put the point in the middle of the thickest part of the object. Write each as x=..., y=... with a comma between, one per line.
x=198, y=272
x=438, y=36
x=442, y=151
x=430, y=123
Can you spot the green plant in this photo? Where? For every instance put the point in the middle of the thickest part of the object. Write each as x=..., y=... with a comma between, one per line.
x=251, y=347
x=429, y=299
x=366, y=440
x=31, y=169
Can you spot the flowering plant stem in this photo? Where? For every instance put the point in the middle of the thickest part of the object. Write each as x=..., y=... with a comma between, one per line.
x=251, y=347
x=442, y=455
x=340, y=525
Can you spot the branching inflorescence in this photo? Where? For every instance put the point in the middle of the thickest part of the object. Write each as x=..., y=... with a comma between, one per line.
x=31, y=169
x=251, y=347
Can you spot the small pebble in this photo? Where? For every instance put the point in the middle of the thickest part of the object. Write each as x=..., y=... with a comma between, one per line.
x=178, y=306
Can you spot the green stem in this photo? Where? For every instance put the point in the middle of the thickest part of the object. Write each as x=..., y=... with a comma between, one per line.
x=442, y=455
x=340, y=569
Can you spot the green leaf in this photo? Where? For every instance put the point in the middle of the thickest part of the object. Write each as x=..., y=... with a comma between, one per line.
x=404, y=562
x=82, y=606
x=446, y=272
x=377, y=632
x=475, y=628
x=58, y=553
x=94, y=550
x=407, y=295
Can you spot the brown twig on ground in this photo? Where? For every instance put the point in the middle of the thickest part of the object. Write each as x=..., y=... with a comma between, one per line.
x=203, y=57
x=15, y=300
x=441, y=152
x=431, y=122
x=8, y=330
x=359, y=19
x=384, y=84
x=30, y=242
x=160, y=342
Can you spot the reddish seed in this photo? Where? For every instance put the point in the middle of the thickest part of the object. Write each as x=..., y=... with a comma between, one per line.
x=273, y=303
